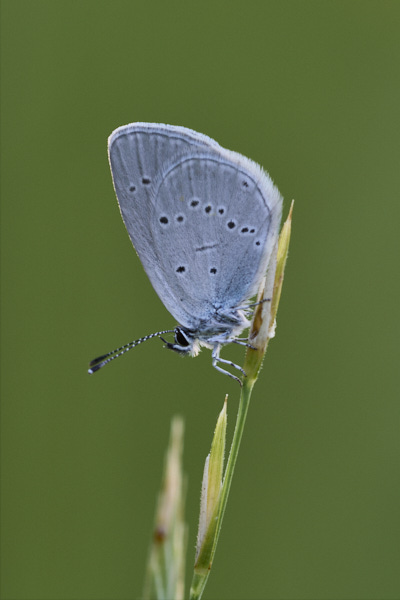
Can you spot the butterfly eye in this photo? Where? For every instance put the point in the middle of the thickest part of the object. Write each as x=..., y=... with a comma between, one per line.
x=181, y=339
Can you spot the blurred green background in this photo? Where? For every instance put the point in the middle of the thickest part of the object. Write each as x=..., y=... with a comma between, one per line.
x=310, y=90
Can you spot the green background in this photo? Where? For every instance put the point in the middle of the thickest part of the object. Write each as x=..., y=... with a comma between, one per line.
x=310, y=90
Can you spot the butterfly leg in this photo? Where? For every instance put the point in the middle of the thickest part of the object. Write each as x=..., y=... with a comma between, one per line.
x=243, y=343
x=253, y=304
x=216, y=359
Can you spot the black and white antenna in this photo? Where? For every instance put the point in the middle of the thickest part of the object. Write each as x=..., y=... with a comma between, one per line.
x=101, y=361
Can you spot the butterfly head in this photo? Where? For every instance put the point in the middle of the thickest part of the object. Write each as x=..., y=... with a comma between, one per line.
x=185, y=342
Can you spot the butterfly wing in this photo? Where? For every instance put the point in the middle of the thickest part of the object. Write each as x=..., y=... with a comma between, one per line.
x=203, y=220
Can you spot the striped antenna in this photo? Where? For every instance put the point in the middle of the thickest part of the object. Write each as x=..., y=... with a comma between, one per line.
x=101, y=361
